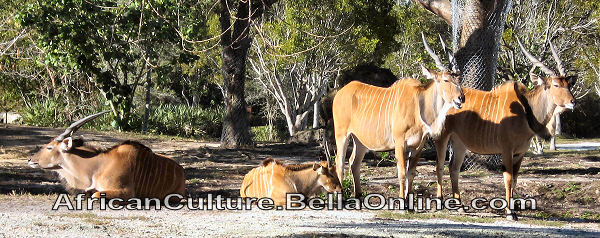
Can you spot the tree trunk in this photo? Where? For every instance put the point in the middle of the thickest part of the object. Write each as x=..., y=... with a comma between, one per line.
x=147, y=111
x=316, y=115
x=235, y=42
x=478, y=40
x=557, y=131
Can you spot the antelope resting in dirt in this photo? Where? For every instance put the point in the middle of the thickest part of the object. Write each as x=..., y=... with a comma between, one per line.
x=273, y=179
x=503, y=121
x=399, y=117
x=126, y=170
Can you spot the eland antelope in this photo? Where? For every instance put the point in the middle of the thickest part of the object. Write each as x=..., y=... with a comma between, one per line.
x=503, y=121
x=274, y=179
x=124, y=171
x=398, y=117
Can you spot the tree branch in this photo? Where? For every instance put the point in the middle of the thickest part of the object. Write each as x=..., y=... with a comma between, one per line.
x=441, y=8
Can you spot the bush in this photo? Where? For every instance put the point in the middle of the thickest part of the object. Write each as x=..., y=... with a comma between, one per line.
x=53, y=112
x=269, y=133
x=582, y=122
x=182, y=120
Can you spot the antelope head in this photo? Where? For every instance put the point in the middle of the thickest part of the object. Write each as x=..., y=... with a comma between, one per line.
x=448, y=78
x=558, y=86
x=51, y=156
x=328, y=176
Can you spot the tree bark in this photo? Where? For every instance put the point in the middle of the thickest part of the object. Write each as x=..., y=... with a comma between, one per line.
x=476, y=38
x=235, y=42
x=557, y=131
x=316, y=107
x=147, y=105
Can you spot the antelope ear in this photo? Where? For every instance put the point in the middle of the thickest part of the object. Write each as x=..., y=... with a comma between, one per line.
x=66, y=144
x=572, y=80
x=317, y=167
x=536, y=80
x=428, y=74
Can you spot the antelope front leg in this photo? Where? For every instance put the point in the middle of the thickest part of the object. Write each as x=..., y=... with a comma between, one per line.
x=516, y=167
x=455, y=163
x=358, y=153
x=507, y=163
x=441, y=146
x=341, y=142
x=415, y=155
x=401, y=165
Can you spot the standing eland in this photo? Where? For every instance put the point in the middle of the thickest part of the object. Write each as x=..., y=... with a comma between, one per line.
x=398, y=117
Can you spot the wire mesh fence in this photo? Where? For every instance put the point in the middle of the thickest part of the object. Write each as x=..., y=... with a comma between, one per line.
x=477, y=28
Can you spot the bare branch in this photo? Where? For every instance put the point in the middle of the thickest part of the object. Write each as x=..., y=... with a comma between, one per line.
x=534, y=60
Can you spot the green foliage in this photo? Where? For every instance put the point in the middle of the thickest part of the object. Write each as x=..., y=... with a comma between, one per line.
x=44, y=113
x=347, y=186
x=113, y=41
x=405, y=59
x=181, y=120
x=582, y=122
x=54, y=113
x=268, y=133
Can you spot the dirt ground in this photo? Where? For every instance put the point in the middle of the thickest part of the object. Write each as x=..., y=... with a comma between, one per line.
x=565, y=185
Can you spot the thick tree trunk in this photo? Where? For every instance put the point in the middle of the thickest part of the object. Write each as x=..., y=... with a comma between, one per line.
x=235, y=45
x=476, y=52
x=235, y=42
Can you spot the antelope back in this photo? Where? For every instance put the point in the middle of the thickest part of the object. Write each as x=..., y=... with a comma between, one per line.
x=273, y=177
x=153, y=175
x=259, y=182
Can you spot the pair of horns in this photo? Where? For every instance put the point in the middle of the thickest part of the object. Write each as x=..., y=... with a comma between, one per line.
x=76, y=125
x=538, y=63
x=452, y=66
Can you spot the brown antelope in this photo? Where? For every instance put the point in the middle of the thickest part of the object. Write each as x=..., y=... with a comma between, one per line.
x=398, y=117
x=126, y=170
x=503, y=121
x=274, y=179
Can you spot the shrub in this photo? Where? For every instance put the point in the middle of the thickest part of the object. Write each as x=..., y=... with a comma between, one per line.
x=182, y=120
x=53, y=112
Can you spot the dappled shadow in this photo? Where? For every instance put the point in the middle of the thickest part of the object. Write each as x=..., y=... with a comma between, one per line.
x=208, y=169
x=592, y=158
x=21, y=180
x=454, y=229
x=329, y=235
x=578, y=171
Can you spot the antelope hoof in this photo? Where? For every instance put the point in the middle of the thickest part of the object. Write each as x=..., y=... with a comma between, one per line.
x=512, y=217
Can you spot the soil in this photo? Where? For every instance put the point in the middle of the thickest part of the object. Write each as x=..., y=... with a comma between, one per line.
x=564, y=183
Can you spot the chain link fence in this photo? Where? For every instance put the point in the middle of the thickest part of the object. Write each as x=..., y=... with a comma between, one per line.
x=477, y=31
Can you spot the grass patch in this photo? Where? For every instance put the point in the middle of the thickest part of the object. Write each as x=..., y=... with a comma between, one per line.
x=544, y=222
x=89, y=217
x=435, y=215
x=95, y=219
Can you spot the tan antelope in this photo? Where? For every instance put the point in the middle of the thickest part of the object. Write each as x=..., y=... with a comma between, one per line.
x=398, y=117
x=503, y=121
x=126, y=170
x=274, y=179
